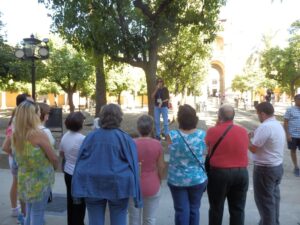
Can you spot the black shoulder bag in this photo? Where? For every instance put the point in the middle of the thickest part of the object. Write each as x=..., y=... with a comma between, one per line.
x=200, y=163
x=208, y=157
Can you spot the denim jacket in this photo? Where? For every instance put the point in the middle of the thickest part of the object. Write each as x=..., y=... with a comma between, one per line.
x=107, y=167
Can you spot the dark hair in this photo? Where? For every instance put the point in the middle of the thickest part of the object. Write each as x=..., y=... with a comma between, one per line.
x=226, y=113
x=159, y=80
x=21, y=98
x=265, y=107
x=110, y=116
x=297, y=96
x=44, y=110
x=74, y=121
x=145, y=125
x=187, y=117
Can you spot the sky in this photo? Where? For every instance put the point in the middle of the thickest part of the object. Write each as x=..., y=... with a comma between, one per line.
x=246, y=20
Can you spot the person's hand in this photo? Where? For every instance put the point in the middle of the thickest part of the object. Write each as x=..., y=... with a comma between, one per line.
x=250, y=134
x=159, y=105
x=288, y=137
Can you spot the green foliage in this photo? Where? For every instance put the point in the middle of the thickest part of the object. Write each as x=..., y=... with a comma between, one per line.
x=132, y=31
x=283, y=65
x=45, y=87
x=240, y=83
x=69, y=69
x=182, y=61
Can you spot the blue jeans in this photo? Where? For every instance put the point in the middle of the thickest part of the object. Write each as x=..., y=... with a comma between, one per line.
x=187, y=201
x=266, y=182
x=164, y=112
x=117, y=209
x=35, y=212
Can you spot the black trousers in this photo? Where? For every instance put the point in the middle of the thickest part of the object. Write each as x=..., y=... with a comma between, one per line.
x=231, y=184
x=76, y=212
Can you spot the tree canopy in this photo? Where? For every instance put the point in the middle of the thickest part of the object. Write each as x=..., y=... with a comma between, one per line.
x=69, y=70
x=283, y=64
x=130, y=31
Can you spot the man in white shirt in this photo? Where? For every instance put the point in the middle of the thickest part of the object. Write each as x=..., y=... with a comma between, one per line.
x=267, y=146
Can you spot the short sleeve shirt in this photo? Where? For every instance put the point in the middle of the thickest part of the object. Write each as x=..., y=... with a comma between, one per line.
x=269, y=137
x=184, y=169
x=70, y=145
x=149, y=150
x=293, y=116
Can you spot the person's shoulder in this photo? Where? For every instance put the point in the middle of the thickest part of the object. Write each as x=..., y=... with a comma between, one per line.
x=239, y=128
x=212, y=129
x=201, y=132
x=37, y=136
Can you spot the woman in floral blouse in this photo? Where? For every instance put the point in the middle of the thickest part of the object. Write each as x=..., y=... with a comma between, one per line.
x=187, y=178
x=36, y=162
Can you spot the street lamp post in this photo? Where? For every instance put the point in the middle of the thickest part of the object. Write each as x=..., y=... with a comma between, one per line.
x=33, y=49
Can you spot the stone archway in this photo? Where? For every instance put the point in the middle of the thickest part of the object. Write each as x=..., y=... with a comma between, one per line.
x=219, y=67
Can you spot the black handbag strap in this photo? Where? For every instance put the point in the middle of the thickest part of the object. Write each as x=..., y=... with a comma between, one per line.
x=200, y=163
x=218, y=142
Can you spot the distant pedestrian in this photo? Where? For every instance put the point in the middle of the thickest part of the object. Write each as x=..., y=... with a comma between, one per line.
x=69, y=149
x=228, y=175
x=267, y=146
x=268, y=95
x=106, y=172
x=161, y=99
x=292, y=129
x=151, y=161
x=187, y=179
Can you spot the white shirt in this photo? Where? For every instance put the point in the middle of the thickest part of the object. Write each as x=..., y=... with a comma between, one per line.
x=270, y=139
x=70, y=145
x=49, y=134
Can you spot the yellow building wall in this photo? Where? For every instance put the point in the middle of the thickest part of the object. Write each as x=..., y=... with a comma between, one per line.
x=51, y=99
x=61, y=100
x=11, y=99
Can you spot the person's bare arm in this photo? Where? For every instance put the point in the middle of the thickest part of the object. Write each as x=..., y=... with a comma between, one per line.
x=41, y=139
x=252, y=147
x=6, y=146
x=161, y=166
x=62, y=154
x=168, y=139
x=285, y=126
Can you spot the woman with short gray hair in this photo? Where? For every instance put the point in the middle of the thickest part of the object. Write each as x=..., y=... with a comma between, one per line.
x=107, y=170
x=151, y=159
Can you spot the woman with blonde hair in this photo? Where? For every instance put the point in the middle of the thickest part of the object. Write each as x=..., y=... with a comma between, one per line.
x=36, y=161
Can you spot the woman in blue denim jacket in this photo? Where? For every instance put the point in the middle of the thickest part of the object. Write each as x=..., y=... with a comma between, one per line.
x=106, y=171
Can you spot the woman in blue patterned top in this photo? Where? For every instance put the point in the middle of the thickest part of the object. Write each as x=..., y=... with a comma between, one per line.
x=187, y=179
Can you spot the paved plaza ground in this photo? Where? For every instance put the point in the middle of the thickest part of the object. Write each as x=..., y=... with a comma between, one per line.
x=290, y=186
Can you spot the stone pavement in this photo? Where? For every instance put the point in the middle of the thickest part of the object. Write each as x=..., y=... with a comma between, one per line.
x=290, y=197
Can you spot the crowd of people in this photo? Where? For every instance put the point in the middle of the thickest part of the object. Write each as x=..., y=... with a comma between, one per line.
x=109, y=168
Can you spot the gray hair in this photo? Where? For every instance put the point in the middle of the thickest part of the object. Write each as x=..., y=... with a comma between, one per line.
x=145, y=125
x=226, y=113
x=110, y=116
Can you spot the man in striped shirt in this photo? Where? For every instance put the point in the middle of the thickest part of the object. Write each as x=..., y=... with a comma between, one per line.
x=292, y=129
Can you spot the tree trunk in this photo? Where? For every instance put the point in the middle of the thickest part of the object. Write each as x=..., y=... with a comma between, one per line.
x=70, y=100
x=150, y=72
x=292, y=90
x=100, y=83
x=119, y=98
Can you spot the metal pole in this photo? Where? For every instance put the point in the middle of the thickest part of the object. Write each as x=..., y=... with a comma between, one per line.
x=33, y=78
